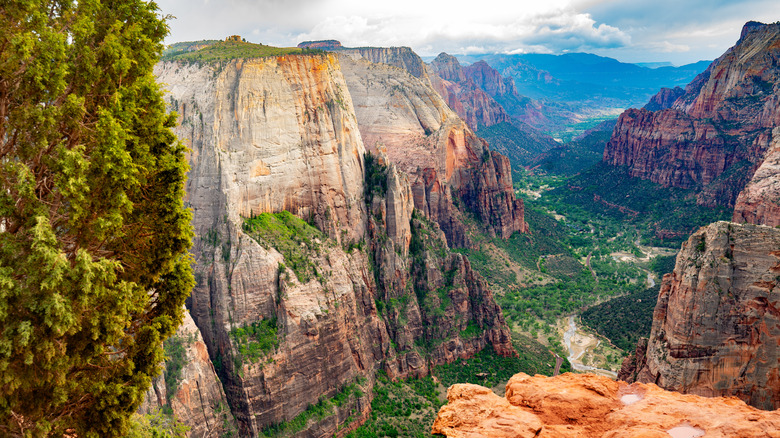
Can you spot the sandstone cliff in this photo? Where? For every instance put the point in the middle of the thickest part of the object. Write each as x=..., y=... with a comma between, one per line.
x=198, y=400
x=716, y=324
x=664, y=99
x=715, y=135
x=293, y=315
x=470, y=102
x=585, y=406
x=400, y=57
x=447, y=164
x=759, y=202
x=269, y=135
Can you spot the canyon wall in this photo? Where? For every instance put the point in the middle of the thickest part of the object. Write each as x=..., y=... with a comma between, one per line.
x=713, y=136
x=590, y=406
x=265, y=136
x=759, y=202
x=198, y=399
x=293, y=315
x=716, y=324
x=664, y=99
x=469, y=101
x=404, y=117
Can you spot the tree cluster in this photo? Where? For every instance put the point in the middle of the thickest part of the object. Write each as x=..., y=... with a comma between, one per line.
x=93, y=233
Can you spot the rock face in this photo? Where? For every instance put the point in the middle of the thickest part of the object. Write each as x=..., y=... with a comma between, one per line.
x=199, y=400
x=590, y=406
x=664, y=99
x=323, y=45
x=715, y=135
x=759, y=202
x=400, y=57
x=404, y=116
x=301, y=154
x=716, y=324
x=280, y=133
x=471, y=103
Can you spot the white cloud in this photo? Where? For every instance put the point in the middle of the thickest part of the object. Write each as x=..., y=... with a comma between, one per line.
x=636, y=30
x=667, y=47
x=552, y=30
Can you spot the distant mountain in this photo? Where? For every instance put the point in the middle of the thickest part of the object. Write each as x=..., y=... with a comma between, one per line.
x=483, y=98
x=588, y=83
x=472, y=103
x=654, y=64
x=529, y=111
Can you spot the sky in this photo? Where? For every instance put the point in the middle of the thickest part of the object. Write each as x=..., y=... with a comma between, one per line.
x=677, y=31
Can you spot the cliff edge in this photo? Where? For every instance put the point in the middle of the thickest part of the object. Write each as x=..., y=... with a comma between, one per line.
x=590, y=406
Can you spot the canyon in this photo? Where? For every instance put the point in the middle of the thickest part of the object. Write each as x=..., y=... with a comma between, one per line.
x=328, y=190
x=711, y=358
x=360, y=146
x=713, y=136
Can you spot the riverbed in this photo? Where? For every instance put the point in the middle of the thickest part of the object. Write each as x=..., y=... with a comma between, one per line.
x=578, y=343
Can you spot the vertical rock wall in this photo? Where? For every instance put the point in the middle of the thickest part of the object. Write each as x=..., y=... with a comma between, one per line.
x=714, y=135
x=280, y=133
x=716, y=324
x=404, y=116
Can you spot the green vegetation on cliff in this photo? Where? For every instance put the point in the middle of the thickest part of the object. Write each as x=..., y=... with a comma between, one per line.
x=401, y=408
x=175, y=357
x=255, y=340
x=296, y=240
x=324, y=408
x=156, y=425
x=211, y=51
x=376, y=177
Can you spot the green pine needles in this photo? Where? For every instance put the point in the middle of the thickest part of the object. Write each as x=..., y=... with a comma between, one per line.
x=93, y=234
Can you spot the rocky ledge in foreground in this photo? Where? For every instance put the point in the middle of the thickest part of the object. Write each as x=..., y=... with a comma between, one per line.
x=586, y=405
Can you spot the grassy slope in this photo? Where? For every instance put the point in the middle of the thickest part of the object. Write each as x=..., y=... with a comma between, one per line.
x=216, y=51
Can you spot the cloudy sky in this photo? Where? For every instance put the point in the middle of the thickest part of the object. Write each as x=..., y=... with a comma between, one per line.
x=680, y=31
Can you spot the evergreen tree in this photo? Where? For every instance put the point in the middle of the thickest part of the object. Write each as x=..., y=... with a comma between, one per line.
x=93, y=234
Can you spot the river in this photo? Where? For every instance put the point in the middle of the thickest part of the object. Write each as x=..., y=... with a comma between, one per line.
x=577, y=344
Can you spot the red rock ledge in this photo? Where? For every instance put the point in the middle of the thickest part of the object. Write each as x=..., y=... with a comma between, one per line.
x=586, y=405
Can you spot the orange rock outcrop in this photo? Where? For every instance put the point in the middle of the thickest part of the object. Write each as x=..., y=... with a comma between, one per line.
x=590, y=406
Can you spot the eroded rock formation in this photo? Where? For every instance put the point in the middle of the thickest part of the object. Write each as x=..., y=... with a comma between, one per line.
x=716, y=324
x=759, y=202
x=664, y=99
x=280, y=133
x=198, y=400
x=590, y=406
x=714, y=136
x=471, y=103
x=404, y=116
